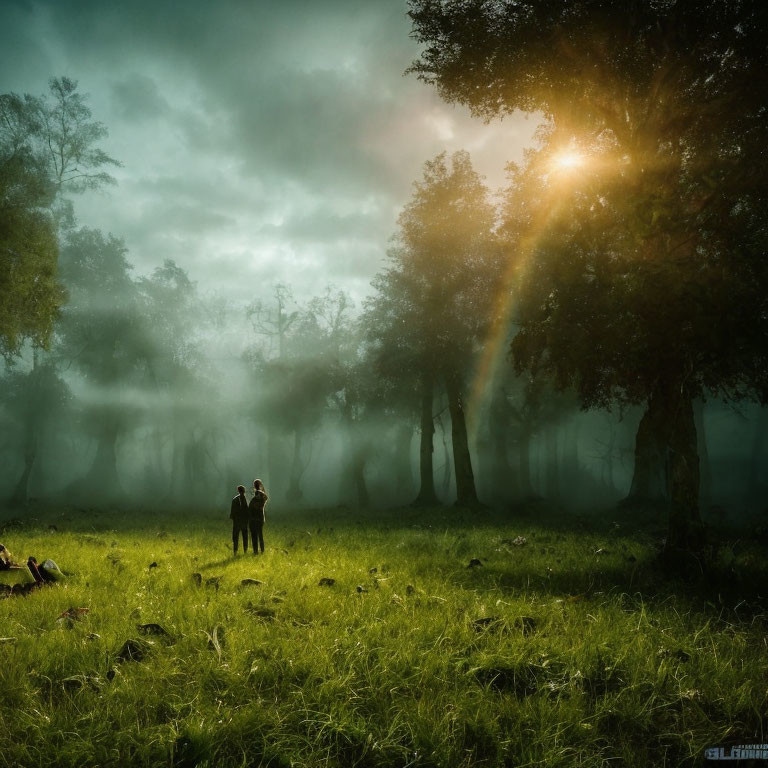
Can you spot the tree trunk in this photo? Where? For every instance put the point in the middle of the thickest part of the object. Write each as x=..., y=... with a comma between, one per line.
x=103, y=472
x=647, y=478
x=445, y=482
x=757, y=465
x=705, y=489
x=358, y=473
x=570, y=467
x=426, y=496
x=552, y=463
x=101, y=482
x=466, y=495
x=524, y=459
x=402, y=458
x=20, y=495
x=295, y=494
x=352, y=480
x=682, y=470
x=277, y=460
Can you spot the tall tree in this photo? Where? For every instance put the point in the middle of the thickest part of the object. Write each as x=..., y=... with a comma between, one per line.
x=34, y=399
x=661, y=230
x=297, y=370
x=104, y=336
x=30, y=294
x=175, y=381
x=434, y=300
x=48, y=149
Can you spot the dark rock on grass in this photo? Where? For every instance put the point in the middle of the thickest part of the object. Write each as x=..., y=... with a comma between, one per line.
x=527, y=624
x=474, y=563
x=153, y=564
x=71, y=615
x=197, y=578
x=490, y=624
x=360, y=589
x=410, y=589
x=133, y=649
x=261, y=612
x=679, y=654
x=214, y=582
x=153, y=629
x=326, y=582
x=251, y=583
x=77, y=682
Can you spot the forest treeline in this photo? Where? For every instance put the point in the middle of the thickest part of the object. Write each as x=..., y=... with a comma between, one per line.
x=571, y=336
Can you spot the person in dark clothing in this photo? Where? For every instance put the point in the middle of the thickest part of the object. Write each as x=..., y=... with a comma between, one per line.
x=256, y=516
x=6, y=559
x=238, y=514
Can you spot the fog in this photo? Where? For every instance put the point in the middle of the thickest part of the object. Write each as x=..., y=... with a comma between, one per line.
x=181, y=401
x=232, y=254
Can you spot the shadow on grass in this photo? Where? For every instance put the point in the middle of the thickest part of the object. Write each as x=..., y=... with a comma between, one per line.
x=734, y=595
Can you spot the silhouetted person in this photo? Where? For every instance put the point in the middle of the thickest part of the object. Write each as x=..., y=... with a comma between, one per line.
x=256, y=516
x=238, y=514
x=5, y=559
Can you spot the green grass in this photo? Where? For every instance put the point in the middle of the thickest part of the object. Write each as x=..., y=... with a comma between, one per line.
x=586, y=660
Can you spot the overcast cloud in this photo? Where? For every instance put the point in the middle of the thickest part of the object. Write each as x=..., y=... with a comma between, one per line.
x=260, y=141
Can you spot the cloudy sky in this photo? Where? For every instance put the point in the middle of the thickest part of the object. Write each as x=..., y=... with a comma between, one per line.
x=261, y=141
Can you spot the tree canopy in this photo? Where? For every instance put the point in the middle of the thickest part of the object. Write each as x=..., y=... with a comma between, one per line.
x=643, y=277
x=48, y=148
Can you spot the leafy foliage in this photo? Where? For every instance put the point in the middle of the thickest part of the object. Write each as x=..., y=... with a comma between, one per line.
x=48, y=148
x=29, y=292
x=434, y=302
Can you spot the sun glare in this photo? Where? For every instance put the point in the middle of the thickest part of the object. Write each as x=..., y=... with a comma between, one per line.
x=567, y=160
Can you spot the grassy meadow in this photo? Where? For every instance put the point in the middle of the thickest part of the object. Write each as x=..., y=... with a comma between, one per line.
x=566, y=647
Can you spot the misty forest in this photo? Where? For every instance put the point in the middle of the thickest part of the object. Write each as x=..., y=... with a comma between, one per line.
x=478, y=289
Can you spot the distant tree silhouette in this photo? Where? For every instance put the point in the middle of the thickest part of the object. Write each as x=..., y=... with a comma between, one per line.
x=432, y=303
x=103, y=335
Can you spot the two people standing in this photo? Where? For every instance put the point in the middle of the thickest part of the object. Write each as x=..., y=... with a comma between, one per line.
x=245, y=515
